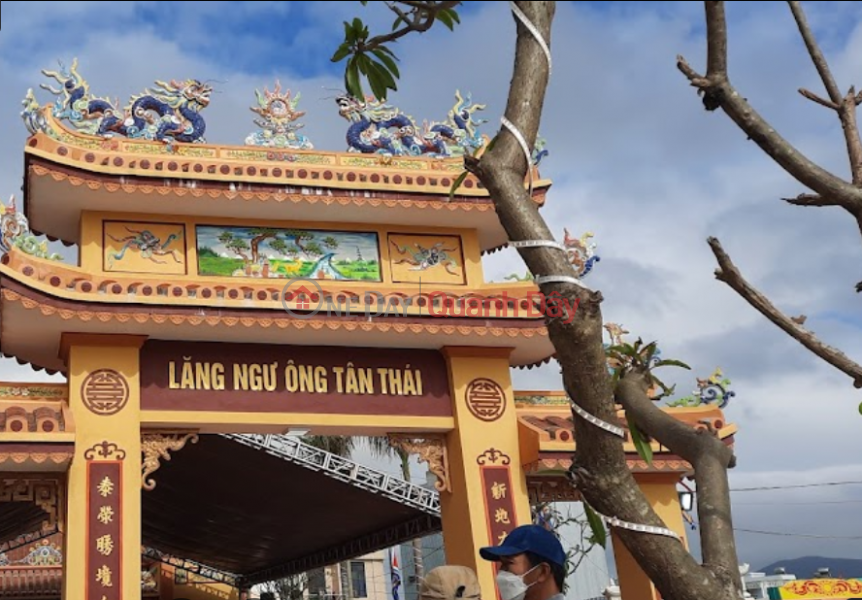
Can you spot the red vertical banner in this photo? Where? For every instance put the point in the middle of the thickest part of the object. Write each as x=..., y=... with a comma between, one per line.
x=104, y=522
x=497, y=489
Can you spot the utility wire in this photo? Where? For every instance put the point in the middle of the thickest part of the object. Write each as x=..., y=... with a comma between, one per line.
x=796, y=486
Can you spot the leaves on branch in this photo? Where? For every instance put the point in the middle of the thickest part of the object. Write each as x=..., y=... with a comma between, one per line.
x=640, y=441
x=599, y=533
x=457, y=183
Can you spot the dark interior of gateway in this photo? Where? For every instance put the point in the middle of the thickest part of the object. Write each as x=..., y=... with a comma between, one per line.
x=241, y=510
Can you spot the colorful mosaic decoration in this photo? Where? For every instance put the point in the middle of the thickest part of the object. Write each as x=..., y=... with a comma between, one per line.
x=168, y=113
x=715, y=389
x=287, y=253
x=379, y=128
x=15, y=233
x=278, y=121
x=819, y=589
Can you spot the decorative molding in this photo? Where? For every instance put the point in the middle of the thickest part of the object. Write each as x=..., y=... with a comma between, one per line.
x=104, y=451
x=157, y=446
x=492, y=456
x=430, y=450
x=105, y=392
x=486, y=399
x=44, y=493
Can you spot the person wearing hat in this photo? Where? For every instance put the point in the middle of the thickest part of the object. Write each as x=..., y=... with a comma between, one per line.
x=450, y=582
x=532, y=564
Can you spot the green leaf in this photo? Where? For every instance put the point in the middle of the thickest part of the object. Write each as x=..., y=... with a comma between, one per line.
x=386, y=50
x=454, y=14
x=641, y=444
x=349, y=36
x=599, y=535
x=398, y=22
x=363, y=62
x=357, y=26
x=378, y=86
x=672, y=363
x=446, y=19
x=649, y=350
x=388, y=61
x=341, y=53
x=363, y=2
x=491, y=144
x=457, y=183
x=351, y=79
x=387, y=78
x=625, y=349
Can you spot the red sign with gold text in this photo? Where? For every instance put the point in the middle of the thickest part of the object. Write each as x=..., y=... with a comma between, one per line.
x=104, y=529
x=497, y=488
x=211, y=376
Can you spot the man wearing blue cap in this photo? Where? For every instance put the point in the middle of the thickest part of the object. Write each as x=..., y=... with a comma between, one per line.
x=532, y=564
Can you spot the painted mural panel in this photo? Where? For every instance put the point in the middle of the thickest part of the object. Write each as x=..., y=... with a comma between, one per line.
x=287, y=253
x=426, y=258
x=144, y=248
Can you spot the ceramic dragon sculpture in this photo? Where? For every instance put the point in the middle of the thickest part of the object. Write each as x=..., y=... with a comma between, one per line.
x=169, y=113
x=277, y=122
x=15, y=233
x=379, y=128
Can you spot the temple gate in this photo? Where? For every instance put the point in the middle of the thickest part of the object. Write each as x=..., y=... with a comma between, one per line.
x=226, y=297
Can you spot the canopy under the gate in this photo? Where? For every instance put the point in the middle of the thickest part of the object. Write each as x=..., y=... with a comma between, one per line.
x=249, y=511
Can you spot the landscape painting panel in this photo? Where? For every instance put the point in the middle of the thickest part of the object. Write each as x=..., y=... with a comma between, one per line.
x=282, y=253
x=144, y=248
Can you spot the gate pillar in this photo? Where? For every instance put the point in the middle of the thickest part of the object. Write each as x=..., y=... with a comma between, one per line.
x=488, y=495
x=103, y=523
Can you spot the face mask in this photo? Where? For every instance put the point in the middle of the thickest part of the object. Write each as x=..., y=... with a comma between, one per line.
x=511, y=586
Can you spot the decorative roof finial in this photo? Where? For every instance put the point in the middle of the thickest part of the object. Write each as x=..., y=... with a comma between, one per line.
x=378, y=128
x=278, y=126
x=581, y=252
x=170, y=113
x=15, y=233
x=715, y=389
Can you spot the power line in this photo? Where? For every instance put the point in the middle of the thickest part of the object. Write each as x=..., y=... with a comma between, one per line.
x=796, y=486
x=800, y=535
x=779, y=503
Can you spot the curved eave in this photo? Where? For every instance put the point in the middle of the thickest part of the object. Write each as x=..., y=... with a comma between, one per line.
x=68, y=172
x=32, y=321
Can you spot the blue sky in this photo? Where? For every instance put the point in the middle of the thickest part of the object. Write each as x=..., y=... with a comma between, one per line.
x=634, y=157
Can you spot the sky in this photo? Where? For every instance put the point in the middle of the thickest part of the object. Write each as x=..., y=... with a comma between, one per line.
x=634, y=159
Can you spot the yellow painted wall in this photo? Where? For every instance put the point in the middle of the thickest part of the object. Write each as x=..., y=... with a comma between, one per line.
x=469, y=259
x=464, y=513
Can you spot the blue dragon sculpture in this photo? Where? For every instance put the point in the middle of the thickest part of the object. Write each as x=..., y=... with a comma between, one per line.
x=379, y=128
x=170, y=113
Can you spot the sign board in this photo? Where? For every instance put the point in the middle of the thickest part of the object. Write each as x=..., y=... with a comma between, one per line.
x=213, y=376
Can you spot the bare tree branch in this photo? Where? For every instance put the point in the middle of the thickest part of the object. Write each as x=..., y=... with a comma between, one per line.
x=814, y=52
x=423, y=16
x=810, y=200
x=815, y=98
x=718, y=92
x=729, y=274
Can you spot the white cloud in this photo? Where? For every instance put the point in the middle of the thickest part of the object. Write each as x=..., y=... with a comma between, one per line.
x=636, y=160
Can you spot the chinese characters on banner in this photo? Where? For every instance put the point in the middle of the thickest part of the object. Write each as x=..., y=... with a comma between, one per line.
x=497, y=488
x=104, y=501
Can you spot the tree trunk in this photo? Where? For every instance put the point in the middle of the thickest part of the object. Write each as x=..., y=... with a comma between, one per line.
x=600, y=464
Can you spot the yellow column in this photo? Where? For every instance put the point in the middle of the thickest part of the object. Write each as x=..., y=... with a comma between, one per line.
x=103, y=526
x=489, y=489
x=661, y=492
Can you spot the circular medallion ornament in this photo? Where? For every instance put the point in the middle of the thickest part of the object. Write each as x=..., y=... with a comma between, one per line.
x=105, y=392
x=486, y=399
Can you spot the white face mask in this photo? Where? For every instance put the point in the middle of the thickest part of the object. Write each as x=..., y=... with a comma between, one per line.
x=511, y=586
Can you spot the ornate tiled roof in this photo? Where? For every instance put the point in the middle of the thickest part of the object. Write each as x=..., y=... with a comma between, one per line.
x=160, y=133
